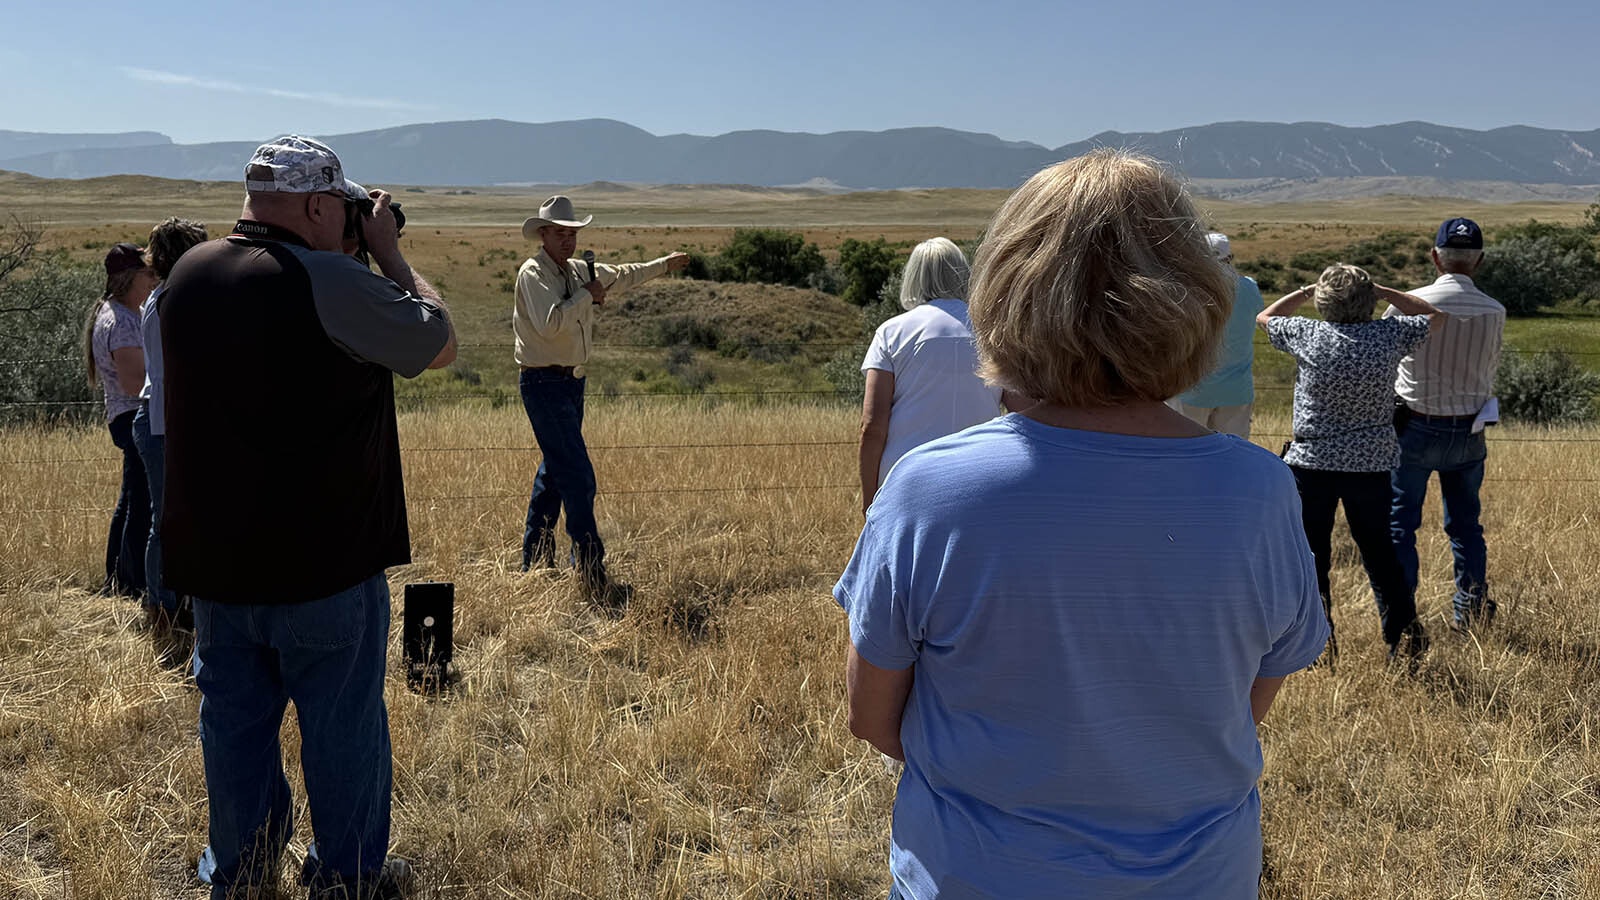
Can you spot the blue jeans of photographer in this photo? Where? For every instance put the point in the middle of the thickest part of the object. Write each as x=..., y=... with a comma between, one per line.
x=1451, y=449
x=152, y=452
x=554, y=403
x=326, y=655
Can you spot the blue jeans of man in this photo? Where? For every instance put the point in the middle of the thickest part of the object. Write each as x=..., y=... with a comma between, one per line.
x=130, y=523
x=554, y=403
x=152, y=452
x=327, y=655
x=1452, y=450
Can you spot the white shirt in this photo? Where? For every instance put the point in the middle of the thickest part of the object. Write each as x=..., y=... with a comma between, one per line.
x=937, y=391
x=1452, y=374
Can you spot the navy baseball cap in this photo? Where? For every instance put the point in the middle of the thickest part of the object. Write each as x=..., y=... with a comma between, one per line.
x=1459, y=234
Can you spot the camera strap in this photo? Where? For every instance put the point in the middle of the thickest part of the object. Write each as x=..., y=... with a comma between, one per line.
x=249, y=228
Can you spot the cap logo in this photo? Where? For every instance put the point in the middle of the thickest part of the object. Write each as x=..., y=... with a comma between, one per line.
x=1461, y=228
x=327, y=173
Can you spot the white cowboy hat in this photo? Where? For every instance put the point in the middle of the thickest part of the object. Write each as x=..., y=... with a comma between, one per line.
x=555, y=211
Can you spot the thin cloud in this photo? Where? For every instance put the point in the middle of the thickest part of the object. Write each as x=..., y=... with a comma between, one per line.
x=156, y=76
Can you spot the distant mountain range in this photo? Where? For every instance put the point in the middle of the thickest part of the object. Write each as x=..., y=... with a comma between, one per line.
x=495, y=151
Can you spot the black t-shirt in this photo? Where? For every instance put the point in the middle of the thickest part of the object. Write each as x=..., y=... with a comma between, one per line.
x=282, y=453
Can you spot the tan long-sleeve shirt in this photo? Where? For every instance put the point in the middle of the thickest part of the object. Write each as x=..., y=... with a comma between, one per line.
x=553, y=315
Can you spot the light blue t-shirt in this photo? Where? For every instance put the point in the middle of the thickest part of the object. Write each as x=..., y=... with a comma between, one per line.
x=1230, y=383
x=1086, y=613
x=154, y=381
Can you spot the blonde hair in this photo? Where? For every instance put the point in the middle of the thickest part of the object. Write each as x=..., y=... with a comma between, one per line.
x=937, y=270
x=1344, y=294
x=1095, y=286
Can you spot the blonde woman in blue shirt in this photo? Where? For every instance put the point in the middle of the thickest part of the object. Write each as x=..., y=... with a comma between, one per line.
x=1068, y=621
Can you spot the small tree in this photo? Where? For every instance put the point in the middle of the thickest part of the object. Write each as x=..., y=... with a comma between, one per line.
x=866, y=266
x=768, y=255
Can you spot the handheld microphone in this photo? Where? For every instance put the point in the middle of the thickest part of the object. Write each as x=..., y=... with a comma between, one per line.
x=588, y=259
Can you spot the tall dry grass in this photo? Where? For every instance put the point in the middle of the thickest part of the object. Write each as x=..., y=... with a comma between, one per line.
x=695, y=746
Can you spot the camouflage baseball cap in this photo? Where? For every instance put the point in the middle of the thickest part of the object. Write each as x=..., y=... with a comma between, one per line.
x=298, y=165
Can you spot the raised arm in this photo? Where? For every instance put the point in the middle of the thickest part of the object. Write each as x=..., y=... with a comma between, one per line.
x=1412, y=305
x=1285, y=305
x=384, y=242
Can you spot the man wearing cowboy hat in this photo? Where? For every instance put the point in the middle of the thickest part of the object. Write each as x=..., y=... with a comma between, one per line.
x=553, y=319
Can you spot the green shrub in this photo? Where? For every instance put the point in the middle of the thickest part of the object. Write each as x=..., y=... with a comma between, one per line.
x=1537, y=264
x=866, y=266
x=44, y=299
x=688, y=331
x=769, y=256
x=1545, y=389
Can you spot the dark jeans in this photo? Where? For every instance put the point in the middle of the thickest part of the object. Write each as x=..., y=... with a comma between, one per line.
x=152, y=452
x=1365, y=496
x=327, y=656
x=1452, y=450
x=554, y=403
x=130, y=523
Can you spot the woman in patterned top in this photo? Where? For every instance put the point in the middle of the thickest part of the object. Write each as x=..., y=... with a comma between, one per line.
x=113, y=350
x=1344, y=443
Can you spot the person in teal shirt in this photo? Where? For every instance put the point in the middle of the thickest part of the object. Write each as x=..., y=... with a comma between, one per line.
x=1223, y=400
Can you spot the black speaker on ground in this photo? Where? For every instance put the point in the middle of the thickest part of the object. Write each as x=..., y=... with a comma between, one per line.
x=428, y=634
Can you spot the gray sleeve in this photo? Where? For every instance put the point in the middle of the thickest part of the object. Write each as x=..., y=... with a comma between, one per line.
x=372, y=318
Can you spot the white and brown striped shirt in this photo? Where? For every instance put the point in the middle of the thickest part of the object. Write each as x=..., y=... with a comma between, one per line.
x=1452, y=374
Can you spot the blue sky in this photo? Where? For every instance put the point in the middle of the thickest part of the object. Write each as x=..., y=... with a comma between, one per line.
x=1048, y=72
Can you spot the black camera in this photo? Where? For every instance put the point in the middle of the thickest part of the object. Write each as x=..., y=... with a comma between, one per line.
x=355, y=212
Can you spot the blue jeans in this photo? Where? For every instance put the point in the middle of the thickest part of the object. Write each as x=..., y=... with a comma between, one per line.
x=554, y=403
x=130, y=523
x=1452, y=450
x=327, y=656
x=153, y=452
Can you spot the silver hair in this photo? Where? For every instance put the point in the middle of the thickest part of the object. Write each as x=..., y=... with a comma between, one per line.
x=1344, y=293
x=1458, y=257
x=937, y=270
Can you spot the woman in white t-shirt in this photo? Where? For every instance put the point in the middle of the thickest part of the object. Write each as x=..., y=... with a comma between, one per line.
x=921, y=368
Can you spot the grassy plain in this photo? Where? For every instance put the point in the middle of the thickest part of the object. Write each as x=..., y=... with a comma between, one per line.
x=469, y=243
x=695, y=746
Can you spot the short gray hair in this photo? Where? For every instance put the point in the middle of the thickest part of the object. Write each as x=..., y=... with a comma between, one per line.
x=1458, y=257
x=1345, y=294
x=937, y=270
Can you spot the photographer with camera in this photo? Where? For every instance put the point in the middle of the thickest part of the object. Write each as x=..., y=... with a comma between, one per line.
x=280, y=520
x=553, y=319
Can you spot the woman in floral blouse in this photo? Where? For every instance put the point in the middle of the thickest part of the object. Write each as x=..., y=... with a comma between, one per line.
x=1344, y=443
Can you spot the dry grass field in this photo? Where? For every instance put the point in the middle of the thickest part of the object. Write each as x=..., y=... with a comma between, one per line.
x=695, y=745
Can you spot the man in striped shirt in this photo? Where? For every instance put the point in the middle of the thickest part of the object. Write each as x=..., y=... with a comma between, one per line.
x=1445, y=383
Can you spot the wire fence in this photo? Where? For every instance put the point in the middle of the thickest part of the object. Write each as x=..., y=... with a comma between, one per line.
x=737, y=344
x=430, y=502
